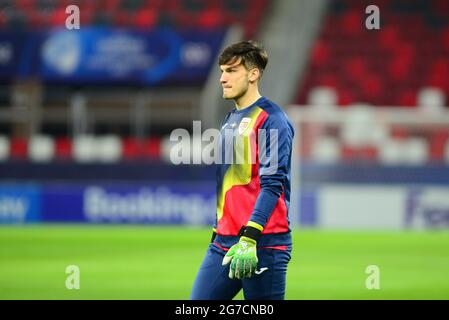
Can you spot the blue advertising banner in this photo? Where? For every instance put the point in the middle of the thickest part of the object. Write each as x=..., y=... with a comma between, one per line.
x=19, y=203
x=109, y=56
x=149, y=203
x=12, y=47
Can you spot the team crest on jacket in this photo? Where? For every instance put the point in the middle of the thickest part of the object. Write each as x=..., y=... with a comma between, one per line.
x=244, y=124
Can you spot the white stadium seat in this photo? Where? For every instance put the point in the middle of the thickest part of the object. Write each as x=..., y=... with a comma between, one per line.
x=390, y=153
x=380, y=133
x=412, y=151
x=357, y=127
x=326, y=150
x=109, y=148
x=41, y=148
x=431, y=100
x=322, y=98
x=4, y=148
x=415, y=151
x=84, y=148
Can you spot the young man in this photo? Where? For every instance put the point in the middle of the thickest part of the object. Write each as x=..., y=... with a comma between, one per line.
x=251, y=242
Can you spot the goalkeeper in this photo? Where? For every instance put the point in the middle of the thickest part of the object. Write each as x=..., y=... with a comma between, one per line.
x=251, y=242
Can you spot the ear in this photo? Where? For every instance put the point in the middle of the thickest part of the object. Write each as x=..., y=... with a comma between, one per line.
x=254, y=74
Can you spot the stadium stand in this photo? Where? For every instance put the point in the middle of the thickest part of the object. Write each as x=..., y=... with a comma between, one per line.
x=147, y=14
x=381, y=68
x=403, y=65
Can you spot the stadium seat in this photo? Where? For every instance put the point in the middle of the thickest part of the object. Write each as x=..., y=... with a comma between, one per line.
x=132, y=149
x=415, y=151
x=145, y=18
x=41, y=148
x=365, y=153
x=356, y=131
x=109, y=148
x=379, y=134
x=326, y=150
x=84, y=149
x=437, y=144
x=391, y=152
x=18, y=148
x=152, y=148
x=322, y=97
x=4, y=148
x=210, y=19
x=63, y=148
x=58, y=17
x=431, y=100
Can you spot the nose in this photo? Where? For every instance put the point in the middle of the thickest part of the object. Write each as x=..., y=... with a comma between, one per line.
x=223, y=78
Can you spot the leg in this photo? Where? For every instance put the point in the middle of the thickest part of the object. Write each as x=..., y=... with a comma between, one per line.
x=212, y=281
x=269, y=281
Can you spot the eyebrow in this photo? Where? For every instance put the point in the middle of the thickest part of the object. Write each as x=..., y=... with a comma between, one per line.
x=229, y=68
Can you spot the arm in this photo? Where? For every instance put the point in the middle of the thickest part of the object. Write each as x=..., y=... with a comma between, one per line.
x=274, y=156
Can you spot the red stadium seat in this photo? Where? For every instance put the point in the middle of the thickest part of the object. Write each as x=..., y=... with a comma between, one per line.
x=438, y=140
x=407, y=98
x=362, y=153
x=320, y=53
x=355, y=68
x=19, y=148
x=134, y=149
x=152, y=148
x=63, y=148
x=145, y=18
x=210, y=19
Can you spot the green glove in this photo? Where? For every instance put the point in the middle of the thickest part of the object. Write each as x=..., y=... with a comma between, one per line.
x=243, y=258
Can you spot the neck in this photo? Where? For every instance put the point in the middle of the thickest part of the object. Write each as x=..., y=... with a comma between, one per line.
x=247, y=99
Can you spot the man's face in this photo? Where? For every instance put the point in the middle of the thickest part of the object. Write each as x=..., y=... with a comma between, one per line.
x=234, y=79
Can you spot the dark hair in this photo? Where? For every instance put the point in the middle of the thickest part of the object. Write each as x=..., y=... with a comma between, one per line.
x=251, y=53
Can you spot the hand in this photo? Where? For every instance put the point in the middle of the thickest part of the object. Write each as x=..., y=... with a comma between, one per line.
x=243, y=258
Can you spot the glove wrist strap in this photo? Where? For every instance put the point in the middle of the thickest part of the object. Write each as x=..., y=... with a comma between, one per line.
x=250, y=232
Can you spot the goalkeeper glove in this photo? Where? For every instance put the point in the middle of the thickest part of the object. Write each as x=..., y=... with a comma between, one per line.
x=243, y=255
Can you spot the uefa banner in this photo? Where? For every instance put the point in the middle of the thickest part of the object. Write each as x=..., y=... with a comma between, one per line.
x=110, y=56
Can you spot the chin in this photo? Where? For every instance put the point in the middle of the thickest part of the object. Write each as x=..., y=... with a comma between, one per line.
x=227, y=96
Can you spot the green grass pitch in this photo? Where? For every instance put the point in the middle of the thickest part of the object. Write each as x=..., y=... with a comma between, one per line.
x=144, y=262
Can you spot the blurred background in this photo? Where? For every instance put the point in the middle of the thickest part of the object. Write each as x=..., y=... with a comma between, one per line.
x=85, y=122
